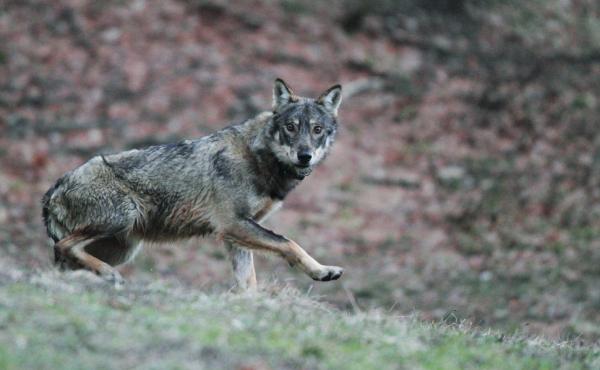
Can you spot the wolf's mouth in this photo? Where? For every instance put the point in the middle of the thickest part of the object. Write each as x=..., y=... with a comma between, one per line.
x=302, y=171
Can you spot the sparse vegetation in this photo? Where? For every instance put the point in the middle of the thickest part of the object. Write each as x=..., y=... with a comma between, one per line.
x=75, y=321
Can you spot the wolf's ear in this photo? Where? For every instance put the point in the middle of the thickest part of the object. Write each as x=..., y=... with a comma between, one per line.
x=331, y=99
x=282, y=95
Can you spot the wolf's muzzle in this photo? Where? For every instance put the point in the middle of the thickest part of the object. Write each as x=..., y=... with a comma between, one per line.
x=304, y=159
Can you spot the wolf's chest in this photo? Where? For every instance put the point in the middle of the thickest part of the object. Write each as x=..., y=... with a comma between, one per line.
x=264, y=207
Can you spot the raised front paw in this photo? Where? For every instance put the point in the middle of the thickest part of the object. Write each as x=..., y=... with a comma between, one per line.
x=328, y=273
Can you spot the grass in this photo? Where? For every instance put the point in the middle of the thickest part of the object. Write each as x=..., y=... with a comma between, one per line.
x=49, y=321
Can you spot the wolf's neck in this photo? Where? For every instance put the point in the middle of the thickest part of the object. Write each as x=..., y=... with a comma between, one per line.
x=273, y=178
x=257, y=130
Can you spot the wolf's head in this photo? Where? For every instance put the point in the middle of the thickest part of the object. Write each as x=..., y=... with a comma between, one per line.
x=303, y=129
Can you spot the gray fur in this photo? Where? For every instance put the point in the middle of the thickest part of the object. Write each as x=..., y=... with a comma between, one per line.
x=215, y=184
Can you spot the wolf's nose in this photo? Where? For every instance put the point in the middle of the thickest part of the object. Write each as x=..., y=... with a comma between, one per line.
x=304, y=158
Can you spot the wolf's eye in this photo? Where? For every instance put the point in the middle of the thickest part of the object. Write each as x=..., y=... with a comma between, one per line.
x=317, y=129
x=290, y=127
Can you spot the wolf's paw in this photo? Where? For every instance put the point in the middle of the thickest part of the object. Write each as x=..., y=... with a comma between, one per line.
x=328, y=273
x=114, y=278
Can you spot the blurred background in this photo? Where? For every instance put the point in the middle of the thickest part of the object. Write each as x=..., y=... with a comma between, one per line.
x=465, y=181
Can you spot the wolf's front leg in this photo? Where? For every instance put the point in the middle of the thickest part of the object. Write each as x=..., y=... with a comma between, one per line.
x=251, y=235
x=242, y=262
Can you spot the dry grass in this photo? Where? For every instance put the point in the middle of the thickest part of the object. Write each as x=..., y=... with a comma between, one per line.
x=75, y=321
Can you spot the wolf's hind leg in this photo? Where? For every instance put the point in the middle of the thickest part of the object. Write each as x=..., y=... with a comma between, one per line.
x=251, y=235
x=242, y=262
x=73, y=246
x=114, y=250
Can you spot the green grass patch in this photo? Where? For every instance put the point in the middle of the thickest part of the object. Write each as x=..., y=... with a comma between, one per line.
x=60, y=323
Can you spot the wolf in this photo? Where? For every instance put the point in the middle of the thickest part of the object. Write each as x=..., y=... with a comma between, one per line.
x=225, y=184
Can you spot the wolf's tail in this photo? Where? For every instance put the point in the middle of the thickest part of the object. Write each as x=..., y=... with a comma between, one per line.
x=53, y=226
